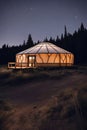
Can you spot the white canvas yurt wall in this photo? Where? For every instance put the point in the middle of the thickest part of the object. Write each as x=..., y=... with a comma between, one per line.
x=44, y=54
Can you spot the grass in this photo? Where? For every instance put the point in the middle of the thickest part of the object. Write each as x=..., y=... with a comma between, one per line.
x=66, y=110
x=82, y=99
x=11, y=78
x=60, y=109
x=43, y=117
x=6, y=111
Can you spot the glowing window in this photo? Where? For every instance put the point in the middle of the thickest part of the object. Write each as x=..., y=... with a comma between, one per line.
x=30, y=65
x=30, y=58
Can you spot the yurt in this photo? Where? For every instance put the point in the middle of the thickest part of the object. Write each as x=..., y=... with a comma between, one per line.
x=44, y=54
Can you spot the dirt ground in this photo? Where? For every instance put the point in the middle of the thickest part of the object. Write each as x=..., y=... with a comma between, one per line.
x=47, y=101
x=40, y=90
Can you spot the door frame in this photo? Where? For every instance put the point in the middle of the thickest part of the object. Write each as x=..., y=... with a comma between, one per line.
x=31, y=61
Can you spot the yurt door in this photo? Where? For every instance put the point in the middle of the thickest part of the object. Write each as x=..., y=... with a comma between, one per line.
x=31, y=61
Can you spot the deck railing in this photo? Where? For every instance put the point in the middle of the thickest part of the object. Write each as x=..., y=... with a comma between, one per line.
x=15, y=65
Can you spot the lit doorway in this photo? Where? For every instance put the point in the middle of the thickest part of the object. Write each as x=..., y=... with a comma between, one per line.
x=31, y=61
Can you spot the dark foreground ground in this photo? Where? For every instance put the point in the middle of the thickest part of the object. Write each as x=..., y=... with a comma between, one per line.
x=43, y=99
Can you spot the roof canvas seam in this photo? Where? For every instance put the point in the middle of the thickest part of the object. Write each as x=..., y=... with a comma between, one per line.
x=25, y=50
x=45, y=47
x=53, y=48
x=33, y=48
x=39, y=49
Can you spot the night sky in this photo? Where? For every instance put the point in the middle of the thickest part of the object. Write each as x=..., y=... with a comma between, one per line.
x=40, y=18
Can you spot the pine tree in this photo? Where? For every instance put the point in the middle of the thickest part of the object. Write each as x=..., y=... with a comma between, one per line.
x=24, y=43
x=65, y=32
x=62, y=37
x=45, y=40
x=29, y=41
x=82, y=27
x=4, y=46
x=57, y=39
x=52, y=40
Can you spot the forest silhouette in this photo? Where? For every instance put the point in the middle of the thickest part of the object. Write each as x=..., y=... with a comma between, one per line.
x=75, y=43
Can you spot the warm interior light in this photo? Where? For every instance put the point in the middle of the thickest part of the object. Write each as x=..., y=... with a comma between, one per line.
x=30, y=58
x=30, y=65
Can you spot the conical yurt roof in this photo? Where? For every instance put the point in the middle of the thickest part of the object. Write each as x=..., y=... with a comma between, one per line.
x=44, y=48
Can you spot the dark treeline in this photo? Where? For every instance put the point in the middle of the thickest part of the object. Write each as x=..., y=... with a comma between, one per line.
x=75, y=43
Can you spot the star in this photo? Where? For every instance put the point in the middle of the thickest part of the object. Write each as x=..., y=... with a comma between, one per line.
x=76, y=17
x=31, y=9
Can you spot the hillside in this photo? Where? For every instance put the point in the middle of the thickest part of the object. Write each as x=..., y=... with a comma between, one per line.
x=43, y=99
